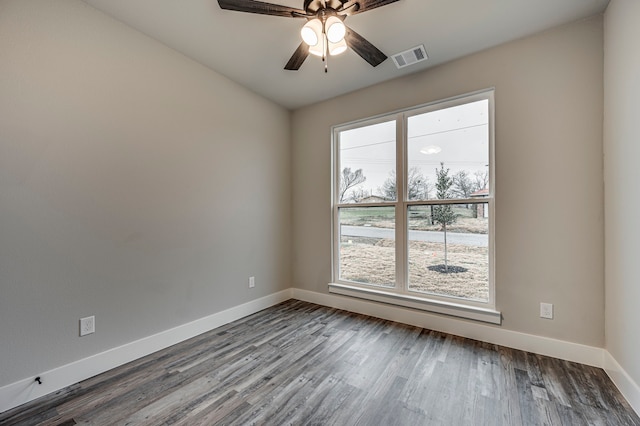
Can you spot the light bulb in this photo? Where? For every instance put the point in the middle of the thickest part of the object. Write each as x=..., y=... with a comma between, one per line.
x=311, y=32
x=335, y=29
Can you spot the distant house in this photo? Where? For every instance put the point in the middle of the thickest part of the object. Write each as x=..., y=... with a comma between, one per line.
x=481, y=209
x=372, y=199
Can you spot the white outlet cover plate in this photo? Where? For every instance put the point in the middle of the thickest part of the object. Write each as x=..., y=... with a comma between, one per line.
x=546, y=310
x=87, y=325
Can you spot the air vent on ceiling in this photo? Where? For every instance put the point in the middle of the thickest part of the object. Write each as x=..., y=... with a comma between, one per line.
x=410, y=57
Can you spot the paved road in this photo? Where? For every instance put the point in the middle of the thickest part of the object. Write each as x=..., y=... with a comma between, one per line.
x=477, y=240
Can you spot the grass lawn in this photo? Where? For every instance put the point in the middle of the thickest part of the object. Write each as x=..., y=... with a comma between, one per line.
x=369, y=260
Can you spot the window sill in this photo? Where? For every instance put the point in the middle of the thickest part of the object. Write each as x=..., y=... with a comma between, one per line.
x=429, y=305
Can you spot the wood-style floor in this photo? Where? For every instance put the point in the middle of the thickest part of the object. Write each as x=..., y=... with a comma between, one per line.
x=299, y=363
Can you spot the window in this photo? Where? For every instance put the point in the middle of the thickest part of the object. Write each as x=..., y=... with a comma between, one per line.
x=413, y=207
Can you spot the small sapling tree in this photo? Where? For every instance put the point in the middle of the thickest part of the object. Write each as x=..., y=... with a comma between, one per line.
x=443, y=213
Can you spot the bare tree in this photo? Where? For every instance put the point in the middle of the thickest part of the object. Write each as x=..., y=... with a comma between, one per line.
x=480, y=180
x=348, y=180
x=462, y=186
x=418, y=186
x=465, y=185
x=357, y=194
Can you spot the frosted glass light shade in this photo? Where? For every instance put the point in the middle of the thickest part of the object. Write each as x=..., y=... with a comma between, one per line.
x=317, y=50
x=337, y=48
x=311, y=32
x=335, y=29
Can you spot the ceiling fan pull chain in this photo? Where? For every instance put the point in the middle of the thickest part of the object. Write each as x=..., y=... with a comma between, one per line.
x=325, y=54
x=325, y=44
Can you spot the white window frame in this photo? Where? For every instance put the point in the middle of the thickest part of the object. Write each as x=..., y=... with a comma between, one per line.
x=400, y=294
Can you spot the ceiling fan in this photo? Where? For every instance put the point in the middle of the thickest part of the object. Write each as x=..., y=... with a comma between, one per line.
x=324, y=33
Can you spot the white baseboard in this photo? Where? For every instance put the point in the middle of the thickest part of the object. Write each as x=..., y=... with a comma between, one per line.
x=627, y=386
x=26, y=390
x=527, y=342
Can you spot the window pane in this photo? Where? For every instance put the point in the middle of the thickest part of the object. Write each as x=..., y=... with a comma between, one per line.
x=457, y=266
x=367, y=245
x=367, y=164
x=453, y=140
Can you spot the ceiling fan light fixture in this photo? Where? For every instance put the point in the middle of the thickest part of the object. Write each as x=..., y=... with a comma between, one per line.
x=335, y=29
x=337, y=48
x=323, y=32
x=312, y=32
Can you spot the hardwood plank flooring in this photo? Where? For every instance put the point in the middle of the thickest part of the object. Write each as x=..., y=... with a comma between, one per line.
x=304, y=364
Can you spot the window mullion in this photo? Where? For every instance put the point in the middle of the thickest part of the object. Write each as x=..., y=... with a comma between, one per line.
x=335, y=225
x=401, y=196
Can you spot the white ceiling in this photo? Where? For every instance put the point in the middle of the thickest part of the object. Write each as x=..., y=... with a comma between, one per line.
x=252, y=49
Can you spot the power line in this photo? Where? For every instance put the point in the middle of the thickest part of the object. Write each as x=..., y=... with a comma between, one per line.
x=448, y=131
x=370, y=144
x=416, y=136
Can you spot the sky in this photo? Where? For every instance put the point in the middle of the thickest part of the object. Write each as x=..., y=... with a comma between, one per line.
x=457, y=136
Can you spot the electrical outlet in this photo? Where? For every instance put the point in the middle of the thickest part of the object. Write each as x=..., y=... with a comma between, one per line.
x=87, y=325
x=252, y=282
x=546, y=310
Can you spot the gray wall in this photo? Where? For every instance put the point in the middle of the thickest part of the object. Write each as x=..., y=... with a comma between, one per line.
x=135, y=185
x=622, y=177
x=549, y=177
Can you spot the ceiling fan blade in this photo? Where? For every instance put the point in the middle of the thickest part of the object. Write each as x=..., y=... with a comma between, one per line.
x=298, y=57
x=365, y=49
x=262, y=8
x=352, y=7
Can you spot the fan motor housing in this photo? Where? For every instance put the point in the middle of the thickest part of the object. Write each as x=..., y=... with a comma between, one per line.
x=313, y=6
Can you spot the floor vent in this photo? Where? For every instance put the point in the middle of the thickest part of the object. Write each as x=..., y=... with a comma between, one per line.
x=410, y=57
